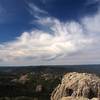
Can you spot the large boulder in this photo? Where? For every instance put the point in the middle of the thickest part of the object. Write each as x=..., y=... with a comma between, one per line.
x=77, y=98
x=77, y=85
x=23, y=79
x=73, y=98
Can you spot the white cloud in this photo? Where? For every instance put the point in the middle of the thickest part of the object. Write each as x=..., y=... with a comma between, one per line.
x=92, y=23
x=66, y=38
x=36, y=11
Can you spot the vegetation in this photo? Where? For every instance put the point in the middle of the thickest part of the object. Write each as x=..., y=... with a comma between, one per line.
x=35, y=83
x=29, y=86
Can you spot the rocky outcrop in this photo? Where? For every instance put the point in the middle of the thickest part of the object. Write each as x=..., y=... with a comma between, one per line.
x=73, y=98
x=23, y=78
x=77, y=98
x=77, y=85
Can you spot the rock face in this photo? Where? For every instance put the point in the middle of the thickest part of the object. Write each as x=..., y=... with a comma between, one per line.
x=73, y=98
x=77, y=85
x=77, y=98
x=23, y=79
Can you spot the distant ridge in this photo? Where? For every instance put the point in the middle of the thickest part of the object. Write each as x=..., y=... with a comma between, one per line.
x=51, y=65
x=95, y=68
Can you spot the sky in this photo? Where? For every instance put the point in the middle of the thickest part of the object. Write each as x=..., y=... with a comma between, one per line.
x=49, y=32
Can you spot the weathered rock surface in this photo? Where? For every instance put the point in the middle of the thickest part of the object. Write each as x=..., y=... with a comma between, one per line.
x=73, y=98
x=77, y=98
x=23, y=78
x=77, y=85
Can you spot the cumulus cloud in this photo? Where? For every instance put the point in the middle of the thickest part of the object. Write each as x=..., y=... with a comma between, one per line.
x=92, y=23
x=66, y=38
x=63, y=39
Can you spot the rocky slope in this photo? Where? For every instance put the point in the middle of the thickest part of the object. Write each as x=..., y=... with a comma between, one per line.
x=77, y=86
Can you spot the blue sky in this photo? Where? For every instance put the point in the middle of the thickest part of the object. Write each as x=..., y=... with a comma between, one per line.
x=38, y=32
